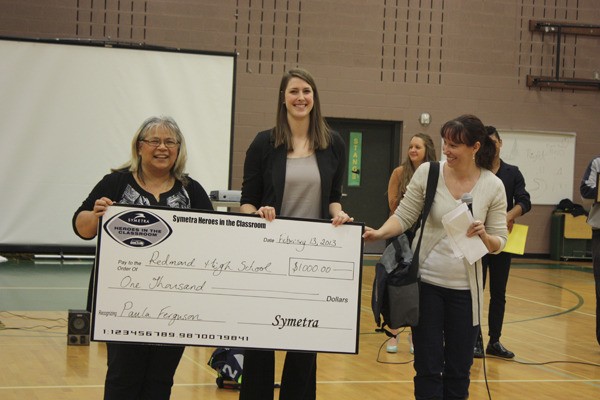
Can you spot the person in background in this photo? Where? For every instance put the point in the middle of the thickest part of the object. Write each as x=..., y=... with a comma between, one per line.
x=589, y=190
x=420, y=149
x=154, y=176
x=295, y=170
x=518, y=203
x=451, y=293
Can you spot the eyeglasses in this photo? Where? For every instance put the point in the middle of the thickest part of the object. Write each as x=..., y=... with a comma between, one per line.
x=155, y=142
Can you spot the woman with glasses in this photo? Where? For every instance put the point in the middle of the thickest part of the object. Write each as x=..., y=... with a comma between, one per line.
x=155, y=176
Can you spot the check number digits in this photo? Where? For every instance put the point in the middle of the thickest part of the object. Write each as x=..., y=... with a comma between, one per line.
x=181, y=335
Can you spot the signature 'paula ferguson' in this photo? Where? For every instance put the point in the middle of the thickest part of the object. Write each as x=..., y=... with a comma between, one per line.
x=129, y=310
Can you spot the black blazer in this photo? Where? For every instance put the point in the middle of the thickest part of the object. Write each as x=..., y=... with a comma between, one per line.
x=514, y=185
x=264, y=172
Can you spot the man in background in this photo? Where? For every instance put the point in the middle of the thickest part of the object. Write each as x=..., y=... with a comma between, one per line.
x=518, y=203
x=589, y=190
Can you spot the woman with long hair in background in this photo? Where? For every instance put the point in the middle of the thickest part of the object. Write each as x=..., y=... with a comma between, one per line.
x=420, y=150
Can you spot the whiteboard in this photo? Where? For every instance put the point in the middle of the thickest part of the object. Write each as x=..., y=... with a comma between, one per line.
x=68, y=113
x=546, y=160
x=173, y=276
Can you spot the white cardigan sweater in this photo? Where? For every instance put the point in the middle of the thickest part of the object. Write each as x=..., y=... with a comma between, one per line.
x=489, y=206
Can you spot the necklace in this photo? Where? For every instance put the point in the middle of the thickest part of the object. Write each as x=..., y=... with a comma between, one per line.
x=301, y=148
x=156, y=188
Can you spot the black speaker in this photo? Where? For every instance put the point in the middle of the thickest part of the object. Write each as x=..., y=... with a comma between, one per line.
x=79, y=328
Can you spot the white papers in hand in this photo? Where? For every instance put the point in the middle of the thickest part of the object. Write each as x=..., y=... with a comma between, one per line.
x=456, y=223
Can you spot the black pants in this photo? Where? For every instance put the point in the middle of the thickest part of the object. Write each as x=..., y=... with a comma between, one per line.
x=499, y=268
x=298, y=382
x=443, y=343
x=140, y=372
x=596, y=265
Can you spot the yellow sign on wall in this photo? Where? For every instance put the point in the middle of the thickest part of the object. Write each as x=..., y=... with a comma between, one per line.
x=354, y=158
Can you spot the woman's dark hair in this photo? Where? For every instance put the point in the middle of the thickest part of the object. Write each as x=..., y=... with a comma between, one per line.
x=491, y=131
x=319, y=132
x=468, y=129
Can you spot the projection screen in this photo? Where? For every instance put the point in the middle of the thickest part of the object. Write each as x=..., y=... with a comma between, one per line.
x=68, y=113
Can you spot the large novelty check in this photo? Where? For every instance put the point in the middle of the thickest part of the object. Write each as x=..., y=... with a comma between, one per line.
x=216, y=279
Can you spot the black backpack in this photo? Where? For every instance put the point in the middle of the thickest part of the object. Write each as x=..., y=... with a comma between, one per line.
x=397, y=257
x=229, y=364
x=396, y=269
x=567, y=206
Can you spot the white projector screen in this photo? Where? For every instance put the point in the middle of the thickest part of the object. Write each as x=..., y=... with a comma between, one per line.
x=68, y=113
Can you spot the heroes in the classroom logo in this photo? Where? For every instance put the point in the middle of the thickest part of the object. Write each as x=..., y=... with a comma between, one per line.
x=138, y=229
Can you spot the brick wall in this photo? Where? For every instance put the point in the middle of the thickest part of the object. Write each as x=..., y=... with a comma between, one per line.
x=373, y=59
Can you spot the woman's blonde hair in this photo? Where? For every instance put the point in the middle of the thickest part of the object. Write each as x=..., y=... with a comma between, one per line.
x=408, y=169
x=134, y=165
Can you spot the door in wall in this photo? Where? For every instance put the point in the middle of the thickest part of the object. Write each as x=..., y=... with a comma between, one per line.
x=372, y=155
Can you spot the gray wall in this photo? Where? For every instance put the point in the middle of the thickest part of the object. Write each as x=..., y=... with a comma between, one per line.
x=373, y=59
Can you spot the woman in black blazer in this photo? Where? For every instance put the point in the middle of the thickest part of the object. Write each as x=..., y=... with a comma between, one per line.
x=294, y=170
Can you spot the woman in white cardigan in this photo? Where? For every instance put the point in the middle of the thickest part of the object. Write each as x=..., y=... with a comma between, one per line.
x=451, y=289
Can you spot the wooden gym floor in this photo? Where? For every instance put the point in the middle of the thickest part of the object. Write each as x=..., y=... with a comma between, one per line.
x=549, y=324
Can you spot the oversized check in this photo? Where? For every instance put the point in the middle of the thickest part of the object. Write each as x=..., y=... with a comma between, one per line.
x=173, y=276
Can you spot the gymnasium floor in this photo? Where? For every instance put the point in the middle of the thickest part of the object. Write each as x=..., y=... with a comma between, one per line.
x=549, y=324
